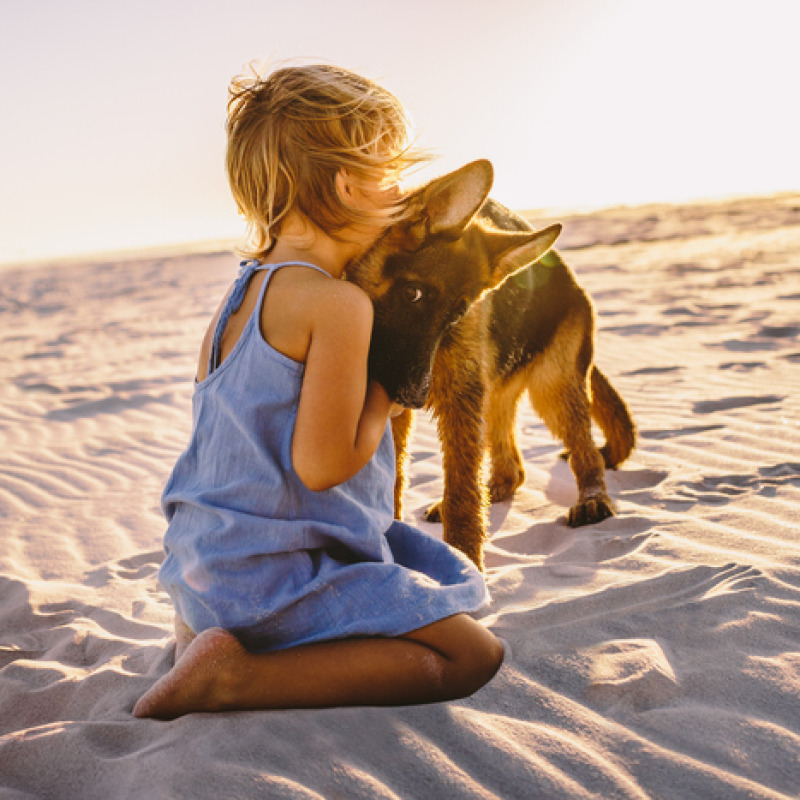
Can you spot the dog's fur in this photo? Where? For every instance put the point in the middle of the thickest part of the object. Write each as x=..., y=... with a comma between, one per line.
x=471, y=310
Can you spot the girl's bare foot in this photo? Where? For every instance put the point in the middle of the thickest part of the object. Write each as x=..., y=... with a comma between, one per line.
x=198, y=681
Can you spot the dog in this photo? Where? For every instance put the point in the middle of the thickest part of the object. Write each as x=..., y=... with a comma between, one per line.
x=471, y=308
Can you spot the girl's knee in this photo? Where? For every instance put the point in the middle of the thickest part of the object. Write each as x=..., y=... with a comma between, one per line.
x=489, y=661
x=467, y=655
x=476, y=664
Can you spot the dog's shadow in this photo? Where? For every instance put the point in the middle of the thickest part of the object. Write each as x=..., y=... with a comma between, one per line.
x=554, y=545
x=551, y=544
x=548, y=555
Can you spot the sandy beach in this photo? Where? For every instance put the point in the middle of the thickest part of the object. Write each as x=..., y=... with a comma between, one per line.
x=655, y=655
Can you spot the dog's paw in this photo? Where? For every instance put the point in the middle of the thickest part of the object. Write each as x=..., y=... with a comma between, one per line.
x=506, y=478
x=500, y=491
x=433, y=513
x=590, y=510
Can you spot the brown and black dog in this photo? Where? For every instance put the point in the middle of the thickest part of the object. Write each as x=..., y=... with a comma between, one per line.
x=470, y=311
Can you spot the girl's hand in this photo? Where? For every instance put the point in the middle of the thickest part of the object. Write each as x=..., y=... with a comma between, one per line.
x=396, y=410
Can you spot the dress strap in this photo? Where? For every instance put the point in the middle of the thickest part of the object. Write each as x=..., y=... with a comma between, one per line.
x=246, y=271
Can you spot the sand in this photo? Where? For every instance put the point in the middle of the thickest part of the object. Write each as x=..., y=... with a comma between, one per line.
x=656, y=654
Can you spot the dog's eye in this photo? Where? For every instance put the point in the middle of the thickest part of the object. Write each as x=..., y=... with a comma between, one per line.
x=413, y=293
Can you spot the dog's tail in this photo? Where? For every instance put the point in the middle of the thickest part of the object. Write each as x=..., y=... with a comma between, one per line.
x=611, y=413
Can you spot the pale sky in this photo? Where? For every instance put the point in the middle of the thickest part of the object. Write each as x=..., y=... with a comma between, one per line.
x=112, y=132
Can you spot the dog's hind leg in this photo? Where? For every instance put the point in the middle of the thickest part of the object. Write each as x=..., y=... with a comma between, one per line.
x=402, y=425
x=558, y=390
x=566, y=412
x=507, y=470
x=611, y=413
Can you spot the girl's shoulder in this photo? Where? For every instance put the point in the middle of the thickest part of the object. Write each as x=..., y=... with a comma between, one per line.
x=317, y=286
x=301, y=300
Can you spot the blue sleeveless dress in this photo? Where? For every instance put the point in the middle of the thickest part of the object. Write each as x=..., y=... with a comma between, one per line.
x=250, y=549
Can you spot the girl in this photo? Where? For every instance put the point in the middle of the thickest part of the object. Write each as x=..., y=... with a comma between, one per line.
x=293, y=586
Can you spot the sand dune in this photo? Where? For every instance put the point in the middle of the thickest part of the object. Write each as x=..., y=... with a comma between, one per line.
x=656, y=655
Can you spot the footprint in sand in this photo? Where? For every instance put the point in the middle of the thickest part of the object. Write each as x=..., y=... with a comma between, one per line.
x=73, y=655
x=133, y=568
x=29, y=623
x=601, y=648
x=630, y=675
x=635, y=479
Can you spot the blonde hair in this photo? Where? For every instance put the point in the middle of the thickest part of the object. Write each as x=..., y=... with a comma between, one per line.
x=291, y=132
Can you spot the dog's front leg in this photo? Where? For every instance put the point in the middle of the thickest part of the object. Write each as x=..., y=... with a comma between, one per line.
x=459, y=415
x=402, y=425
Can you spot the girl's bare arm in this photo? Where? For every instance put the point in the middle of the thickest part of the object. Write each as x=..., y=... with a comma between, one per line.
x=340, y=418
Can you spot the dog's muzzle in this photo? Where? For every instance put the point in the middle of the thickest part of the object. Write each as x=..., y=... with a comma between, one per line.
x=414, y=396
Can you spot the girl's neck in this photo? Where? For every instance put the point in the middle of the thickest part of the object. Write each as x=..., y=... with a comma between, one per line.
x=301, y=240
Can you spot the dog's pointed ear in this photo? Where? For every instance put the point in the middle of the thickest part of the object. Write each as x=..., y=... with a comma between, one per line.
x=512, y=252
x=450, y=202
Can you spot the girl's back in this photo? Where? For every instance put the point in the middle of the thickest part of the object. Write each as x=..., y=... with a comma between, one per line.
x=234, y=496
